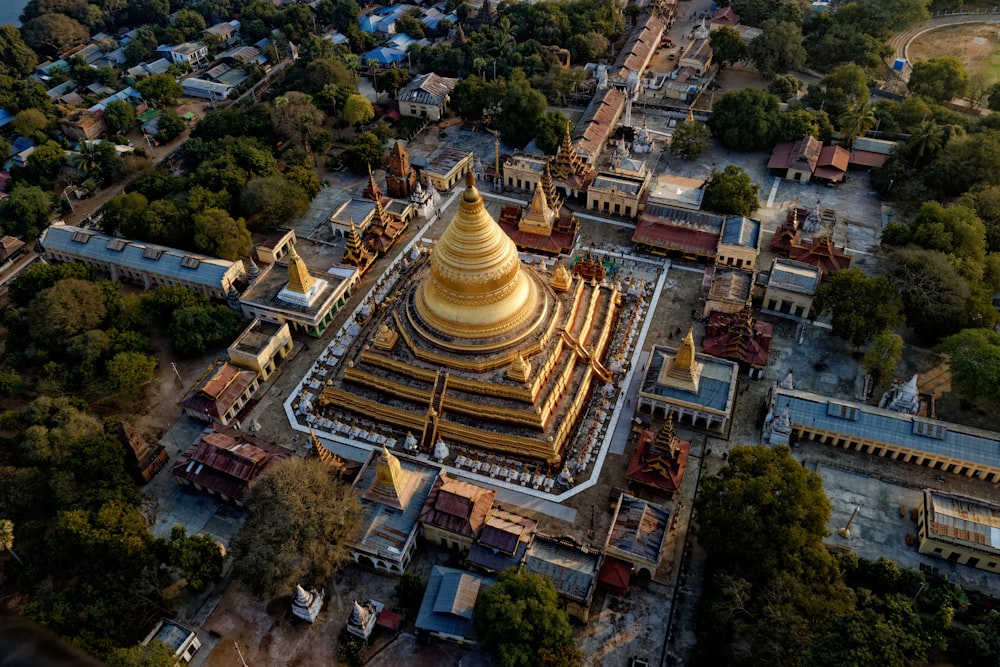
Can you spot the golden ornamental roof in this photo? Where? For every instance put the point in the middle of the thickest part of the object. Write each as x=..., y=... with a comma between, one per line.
x=476, y=288
x=299, y=279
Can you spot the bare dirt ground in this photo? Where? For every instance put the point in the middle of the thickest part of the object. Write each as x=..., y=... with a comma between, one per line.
x=972, y=44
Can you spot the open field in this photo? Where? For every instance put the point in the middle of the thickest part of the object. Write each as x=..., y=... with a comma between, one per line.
x=975, y=45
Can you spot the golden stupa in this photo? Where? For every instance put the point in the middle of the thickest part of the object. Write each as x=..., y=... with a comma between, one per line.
x=476, y=288
x=485, y=353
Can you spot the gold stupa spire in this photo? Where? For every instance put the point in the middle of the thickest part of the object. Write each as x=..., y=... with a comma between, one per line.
x=299, y=279
x=392, y=485
x=476, y=288
x=684, y=369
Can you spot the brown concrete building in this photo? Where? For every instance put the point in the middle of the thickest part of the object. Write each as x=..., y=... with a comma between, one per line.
x=261, y=346
x=960, y=530
x=221, y=394
x=791, y=288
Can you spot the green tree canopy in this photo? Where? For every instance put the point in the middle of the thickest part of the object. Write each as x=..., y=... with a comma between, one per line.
x=521, y=108
x=127, y=373
x=301, y=520
x=745, y=120
x=883, y=355
x=954, y=230
x=549, y=131
x=26, y=212
x=777, y=49
x=30, y=122
x=727, y=46
x=69, y=307
x=159, y=90
x=521, y=621
x=861, y=307
x=939, y=79
x=357, y=109
x=690, y=140
x=272, y=200
x=843, y=87
x=120, y=116
x=216, y=233
x=764, y=514
x=53, y=33
x=153, y=654
x=16, y=58
x=975, y=363
x=195, y=330
x=731, y=191
x=366, y=152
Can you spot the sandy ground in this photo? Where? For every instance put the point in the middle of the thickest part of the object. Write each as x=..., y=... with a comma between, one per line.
x=972, y=44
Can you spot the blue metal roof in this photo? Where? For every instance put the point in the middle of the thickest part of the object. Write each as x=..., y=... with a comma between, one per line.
x=717, y=378
x=449, y=600
x=5, y=117
x=154, y=259
x=866, y=422
x=742, y=231
x=384, y=56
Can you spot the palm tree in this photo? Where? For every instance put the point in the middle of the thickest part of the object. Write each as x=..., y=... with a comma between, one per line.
x=87, y=160
x=925, y=141
x=7, y=538
x=857, y=120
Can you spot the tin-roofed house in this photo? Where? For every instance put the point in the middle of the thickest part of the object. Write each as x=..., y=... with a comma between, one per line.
x=572, y=569
x=502, y=541
x=427, y=96
x=221, y=393
x=449, y=602
x=638, y=534
x=739, y=243
x=791, y=288
x=455, y=512
x=225, y=462
x=960, y=529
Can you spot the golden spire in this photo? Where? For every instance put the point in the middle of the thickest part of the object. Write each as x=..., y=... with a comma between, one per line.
x=684, y=359
x=682, y=371
x=561, y=278
x=690, y=118
x=299, y=279
x=519, y=369
x=390, y=478
x=476, y=288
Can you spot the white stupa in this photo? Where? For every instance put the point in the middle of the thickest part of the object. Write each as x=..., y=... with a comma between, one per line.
x=307, y=605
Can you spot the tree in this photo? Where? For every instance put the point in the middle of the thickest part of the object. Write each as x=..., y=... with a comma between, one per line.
x=937, y=300
x=127, y=373
x=30, y=122
x=366, y=152
x=521, y=621
x=26, y=211
x=845, y=86
x=120, y=116
x=784, y=86
x=473, y=96
x=16, y=58
x=549, y=131
x=197, y=557
x=926, y=141
x=939, y=79
x=796, y=124
x=293, y=116
x=883, y=355
x=690, y=140
x=69, y=307
x=356, y=110
x=727, y=46
x=7, y=539
x=854, y=122
x=195, y=330
x=956, y=231
x=142, y=47
x=216, y=233
x=53, y=33
x=393, y=79
x=159, y=90
x=153, y=654
x=169, y=126
x=777, y=49
x=763, y=514
x=272, y=200
x=745, y=120
x=861, y=307
x=46, y=160
x=301, y=521
x=520, y=110
x=975, y=363
x=731, y=191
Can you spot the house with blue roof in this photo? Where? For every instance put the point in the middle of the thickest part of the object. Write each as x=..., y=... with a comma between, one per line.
x=6, y=118
x=796, y=415
x=147, y=264
x=739, y=243
x=449, y=602
x=697, y=389
x=384, y=56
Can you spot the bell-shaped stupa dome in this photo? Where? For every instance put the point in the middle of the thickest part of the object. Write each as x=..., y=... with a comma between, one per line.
x=476, y=288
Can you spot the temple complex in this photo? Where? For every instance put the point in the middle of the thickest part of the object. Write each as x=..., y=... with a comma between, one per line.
x=543, y=226
x=478, y=350
x=739, y=337
x=659, y=460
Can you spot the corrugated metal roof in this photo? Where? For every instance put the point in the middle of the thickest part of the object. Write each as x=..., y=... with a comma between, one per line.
x=788, y=274
x=963, y=519
x=428, y=89
x=87, y=244
x=870, y=423
x=571, y=570
x=742, y=231
x=449, y=600
x=639, y=529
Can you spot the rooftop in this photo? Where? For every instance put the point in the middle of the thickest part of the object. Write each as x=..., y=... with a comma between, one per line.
x=639, y=529
x=717, y=379
x=569, y=568
x=969, y=521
